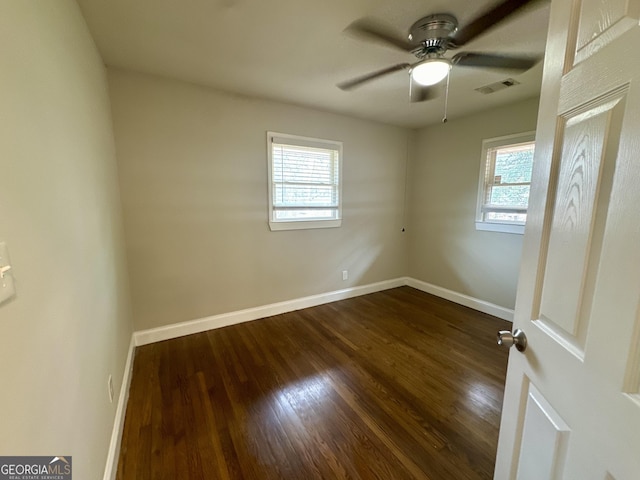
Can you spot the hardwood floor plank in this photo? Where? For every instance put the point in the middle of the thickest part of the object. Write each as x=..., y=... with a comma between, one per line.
x=321, y=411
x=378, y=399
x=394, y=385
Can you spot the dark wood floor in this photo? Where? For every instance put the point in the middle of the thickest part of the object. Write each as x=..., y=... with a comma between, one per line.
x=393, y=385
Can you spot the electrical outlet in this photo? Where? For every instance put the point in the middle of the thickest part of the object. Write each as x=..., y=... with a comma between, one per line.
x=110, y=387
x=345, y=274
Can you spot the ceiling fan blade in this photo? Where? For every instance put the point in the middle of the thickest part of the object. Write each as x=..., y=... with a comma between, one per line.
x=368, y=29
x=356, y=82
x=420, y=93
x=486, y=60
x=486, y=21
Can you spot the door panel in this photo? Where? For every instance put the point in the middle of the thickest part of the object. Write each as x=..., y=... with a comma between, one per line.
x=579, y=289
x=589, y=144
x=600, y=23
x=544, y=439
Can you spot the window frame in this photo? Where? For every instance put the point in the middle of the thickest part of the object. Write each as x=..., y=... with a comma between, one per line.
x=488, y=144
x=303, y=224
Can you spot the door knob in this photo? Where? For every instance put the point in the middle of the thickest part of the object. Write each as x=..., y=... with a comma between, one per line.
x=517, y=338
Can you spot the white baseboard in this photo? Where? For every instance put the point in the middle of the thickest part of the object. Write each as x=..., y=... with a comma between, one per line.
x=144, y=337
x=462, y=299
x=113, y=455
x=175, y=330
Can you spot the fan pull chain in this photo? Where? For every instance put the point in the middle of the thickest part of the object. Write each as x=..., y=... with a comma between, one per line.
x=446, y=98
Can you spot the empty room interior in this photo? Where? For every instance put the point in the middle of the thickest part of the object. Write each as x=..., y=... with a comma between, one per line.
x=244, y=239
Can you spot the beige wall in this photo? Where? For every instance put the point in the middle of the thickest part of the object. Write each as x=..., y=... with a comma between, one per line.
x=193, y=175
x=69, y=326
x=444, y=247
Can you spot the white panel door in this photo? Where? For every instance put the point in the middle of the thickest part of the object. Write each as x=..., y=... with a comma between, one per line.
x=572, y=399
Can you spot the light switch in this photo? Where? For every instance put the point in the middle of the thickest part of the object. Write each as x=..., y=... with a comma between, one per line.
x=7, y=288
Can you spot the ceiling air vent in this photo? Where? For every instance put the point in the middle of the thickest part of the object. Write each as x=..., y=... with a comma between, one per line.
x=494, y=87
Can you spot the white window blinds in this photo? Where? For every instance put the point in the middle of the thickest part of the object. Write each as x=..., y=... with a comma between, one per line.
x=304, y=183
x=507, y=182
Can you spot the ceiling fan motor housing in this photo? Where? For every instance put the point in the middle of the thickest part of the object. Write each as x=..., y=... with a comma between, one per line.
x=431, y=34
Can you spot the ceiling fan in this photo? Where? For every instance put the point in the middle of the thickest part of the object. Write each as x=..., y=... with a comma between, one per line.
x=429, y=39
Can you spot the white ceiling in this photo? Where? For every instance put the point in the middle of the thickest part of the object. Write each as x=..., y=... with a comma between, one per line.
x=295, y=51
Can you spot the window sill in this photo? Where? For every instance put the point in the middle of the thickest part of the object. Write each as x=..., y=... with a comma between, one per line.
x=304, y=224
x=500, y=227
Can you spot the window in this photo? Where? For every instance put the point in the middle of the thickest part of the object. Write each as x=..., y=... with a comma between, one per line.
x=304, y=182
x=505, y=179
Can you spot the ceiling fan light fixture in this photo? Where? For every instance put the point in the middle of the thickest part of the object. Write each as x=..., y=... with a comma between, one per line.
x=431, y=71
